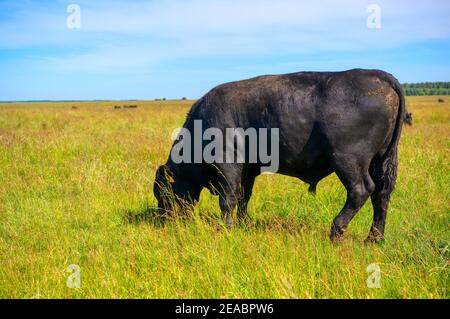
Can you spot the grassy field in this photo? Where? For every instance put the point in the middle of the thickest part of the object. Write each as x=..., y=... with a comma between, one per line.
x=76, y=184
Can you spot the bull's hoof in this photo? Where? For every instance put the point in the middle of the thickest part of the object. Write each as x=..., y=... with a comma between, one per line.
x=227, y=220
x=336, y=238
x=228, y=226
x=375, y=236
x=244, y=220
x=374, y=239
x=337, y=234
x=223, y=227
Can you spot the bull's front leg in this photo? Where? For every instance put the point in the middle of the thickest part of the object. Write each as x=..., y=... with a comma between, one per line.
x=244, y=196
x=230, y=191
x=227, y=204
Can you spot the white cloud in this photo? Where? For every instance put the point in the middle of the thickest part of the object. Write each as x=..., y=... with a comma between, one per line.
x=124, y=35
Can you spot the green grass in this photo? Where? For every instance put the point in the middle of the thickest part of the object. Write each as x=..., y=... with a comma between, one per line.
x=76, y=184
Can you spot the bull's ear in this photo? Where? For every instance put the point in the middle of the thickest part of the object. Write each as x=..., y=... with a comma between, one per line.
x=168, y=174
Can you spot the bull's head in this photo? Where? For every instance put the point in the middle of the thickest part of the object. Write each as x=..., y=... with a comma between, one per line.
x=174, y=191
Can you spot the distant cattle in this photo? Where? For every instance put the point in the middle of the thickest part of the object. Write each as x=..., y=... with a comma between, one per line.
x=441, y=101
x=126, y=106
x=74, y=107
x=348, y=123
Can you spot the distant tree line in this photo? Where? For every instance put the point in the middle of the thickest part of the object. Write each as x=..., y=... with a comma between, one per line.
x=427, y=88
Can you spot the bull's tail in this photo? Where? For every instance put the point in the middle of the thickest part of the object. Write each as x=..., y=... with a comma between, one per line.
x=386, y=168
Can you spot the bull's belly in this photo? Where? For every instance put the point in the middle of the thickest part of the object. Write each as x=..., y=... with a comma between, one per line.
x=310, y=168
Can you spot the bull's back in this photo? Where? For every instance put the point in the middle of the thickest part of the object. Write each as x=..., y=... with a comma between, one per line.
x=318, y=114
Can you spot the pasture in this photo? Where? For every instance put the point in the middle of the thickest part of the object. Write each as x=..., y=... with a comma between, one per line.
x=76, y=188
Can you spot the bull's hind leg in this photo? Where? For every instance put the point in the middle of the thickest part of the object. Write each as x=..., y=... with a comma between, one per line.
x=380, y=202
x=384, y=176
x=359, y=185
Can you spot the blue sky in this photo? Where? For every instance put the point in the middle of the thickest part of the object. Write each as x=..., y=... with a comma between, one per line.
x=149, y=49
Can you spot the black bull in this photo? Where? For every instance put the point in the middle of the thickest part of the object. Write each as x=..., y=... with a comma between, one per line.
x=346, y=122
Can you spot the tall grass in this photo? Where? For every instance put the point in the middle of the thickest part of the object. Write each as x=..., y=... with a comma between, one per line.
x=76, y=188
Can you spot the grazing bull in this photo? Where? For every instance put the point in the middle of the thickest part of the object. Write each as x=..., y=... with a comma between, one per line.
x=346, y=122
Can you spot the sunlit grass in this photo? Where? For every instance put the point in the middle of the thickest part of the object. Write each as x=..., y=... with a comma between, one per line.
x=76, y=188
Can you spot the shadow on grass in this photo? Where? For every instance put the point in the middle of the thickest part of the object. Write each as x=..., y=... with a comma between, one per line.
x=154, y=217
x=273, y=224
x=147, y=214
